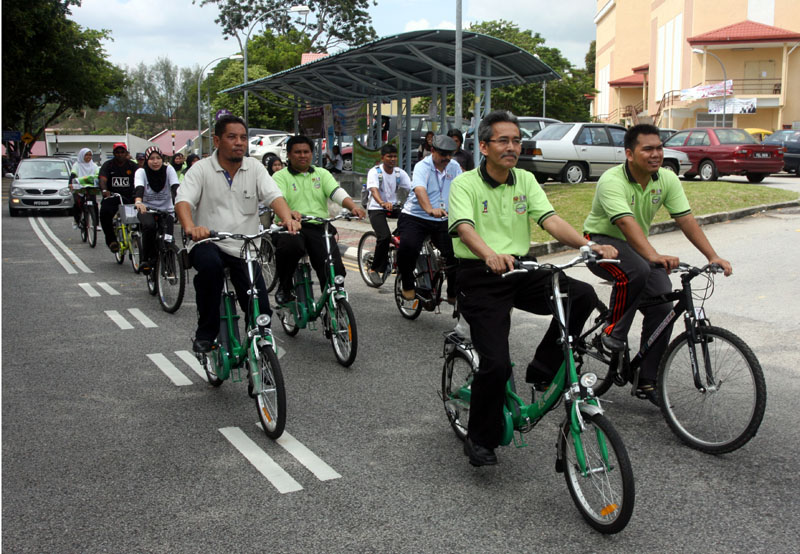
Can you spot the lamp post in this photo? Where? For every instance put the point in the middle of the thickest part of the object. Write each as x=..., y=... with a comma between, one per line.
x=200, y=80
x=127, y=138
x=302, y=10
x=724, y=79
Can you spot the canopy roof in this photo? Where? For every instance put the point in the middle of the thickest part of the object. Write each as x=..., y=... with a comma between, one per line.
x=404, y=65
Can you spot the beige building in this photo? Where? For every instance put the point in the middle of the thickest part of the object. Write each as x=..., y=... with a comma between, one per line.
x=663, y=61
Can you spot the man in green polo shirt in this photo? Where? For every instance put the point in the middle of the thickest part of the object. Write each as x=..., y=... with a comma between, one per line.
x=306, y=189
x=491, y=209
x=625, y=202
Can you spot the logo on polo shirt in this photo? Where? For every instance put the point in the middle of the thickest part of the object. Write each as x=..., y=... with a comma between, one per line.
x=485, y=206
x=656, y=196
x=316, y=182
x=294, y=187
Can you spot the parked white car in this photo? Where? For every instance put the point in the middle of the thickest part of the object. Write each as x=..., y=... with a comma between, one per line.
x=575, y=152
x=273, y=144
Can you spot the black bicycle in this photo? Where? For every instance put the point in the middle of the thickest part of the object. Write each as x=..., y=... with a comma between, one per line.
x=711, y=388
x=167, y=277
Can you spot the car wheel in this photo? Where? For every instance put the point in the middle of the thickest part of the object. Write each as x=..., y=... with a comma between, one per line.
x=671, y=165
x=573, y=173
x=756, y=177
x=264, y=159
x=540, y=178
x=707, y=171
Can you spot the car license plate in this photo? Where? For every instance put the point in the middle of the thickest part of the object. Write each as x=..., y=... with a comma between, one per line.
x=762, y=155
x=41, y=203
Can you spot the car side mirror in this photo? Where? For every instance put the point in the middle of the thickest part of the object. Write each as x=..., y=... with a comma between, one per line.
x=9, y=175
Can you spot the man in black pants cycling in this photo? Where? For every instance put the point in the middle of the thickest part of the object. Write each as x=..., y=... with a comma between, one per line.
x=116, y=176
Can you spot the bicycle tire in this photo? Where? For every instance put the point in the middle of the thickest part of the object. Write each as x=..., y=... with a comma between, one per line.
x=606, y=494
x=136, y=252
x=268, y=263
x=152, y=282
x=91, y=222
x=344, y=339
x=83, y=226
x=171, y=277
x=457, y=372
x=366, y=254
x=409, y=312
x=271, y=401
x=212, y=361
x=727, y=415
x=288, y=323
x=119, y=255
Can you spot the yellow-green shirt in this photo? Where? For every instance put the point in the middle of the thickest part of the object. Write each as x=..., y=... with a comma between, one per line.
x=308, y=192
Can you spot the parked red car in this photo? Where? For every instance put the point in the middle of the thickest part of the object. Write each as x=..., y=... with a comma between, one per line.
x=718, y=151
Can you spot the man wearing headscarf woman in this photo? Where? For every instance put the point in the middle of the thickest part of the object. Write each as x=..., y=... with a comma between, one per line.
x=155, y=187
x=84, y=173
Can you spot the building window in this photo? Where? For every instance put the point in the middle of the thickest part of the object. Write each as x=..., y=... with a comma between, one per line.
x=713, y=120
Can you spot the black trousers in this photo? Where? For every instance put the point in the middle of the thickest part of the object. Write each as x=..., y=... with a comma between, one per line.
x=412, y=232
x=210, y=263
x=485, y=300
x=635, y=278
x=108, y=208
x=77, y=208
x=383, y=235
x=148, y=225
x=290, y=248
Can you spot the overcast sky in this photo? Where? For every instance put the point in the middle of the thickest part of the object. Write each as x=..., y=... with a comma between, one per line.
x=144, y=30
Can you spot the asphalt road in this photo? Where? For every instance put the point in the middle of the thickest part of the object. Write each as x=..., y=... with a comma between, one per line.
x=102, y=452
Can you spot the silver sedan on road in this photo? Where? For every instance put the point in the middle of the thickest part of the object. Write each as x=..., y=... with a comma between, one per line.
x=40, y=184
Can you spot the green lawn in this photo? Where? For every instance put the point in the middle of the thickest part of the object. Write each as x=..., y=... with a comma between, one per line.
x=573, y=202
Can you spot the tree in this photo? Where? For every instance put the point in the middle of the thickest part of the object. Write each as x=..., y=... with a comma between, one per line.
x=591, y=57
x=57, y=65
x=331, y=23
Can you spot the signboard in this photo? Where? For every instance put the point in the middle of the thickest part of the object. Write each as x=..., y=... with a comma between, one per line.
x=311, y=122
x=365, y=159
x=732, y=105
x=350, y=119
x=13, y=136
x=27, y=138
x=707, y=91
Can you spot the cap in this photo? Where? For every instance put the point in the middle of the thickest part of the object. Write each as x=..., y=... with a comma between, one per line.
x=149, y=151
x=445, y=143
x=139, y=156
x=119, y=145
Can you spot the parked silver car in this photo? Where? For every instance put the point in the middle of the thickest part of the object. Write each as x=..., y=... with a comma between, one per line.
x=272, y=144
x=575, y=152
x=40, y=184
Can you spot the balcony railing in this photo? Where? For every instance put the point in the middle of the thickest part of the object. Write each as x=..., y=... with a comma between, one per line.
x=744, y=87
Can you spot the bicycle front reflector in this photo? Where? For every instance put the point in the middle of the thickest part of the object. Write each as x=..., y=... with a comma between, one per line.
x=268, y=417
x=610, y=509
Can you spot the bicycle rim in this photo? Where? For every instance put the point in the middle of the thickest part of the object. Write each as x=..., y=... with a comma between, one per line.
x=171, y=280
x=344, y=335
x=212, y=364
x=82, y=225
x=91, y=231
x=366, y=254
x=729, y=412
x=268, y=263
x=136, y=251
x=271, y=401
x=409, y=309
x=457, y=374
x=605, y=494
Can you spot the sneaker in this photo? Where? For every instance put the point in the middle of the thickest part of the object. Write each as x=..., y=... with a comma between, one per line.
x=75, y=226
x=201, y=346
x=284, y=297
x=479, y=455
x=647, y=391
x=114, y=247
x=408, y=294
x=374, y=276
x=611, y=343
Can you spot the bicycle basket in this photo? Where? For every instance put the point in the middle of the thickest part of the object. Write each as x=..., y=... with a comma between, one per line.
x=127, y=214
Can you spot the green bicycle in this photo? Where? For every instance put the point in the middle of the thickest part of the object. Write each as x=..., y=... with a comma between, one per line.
x=229, y=353
x=339, y=323
x=589, y=451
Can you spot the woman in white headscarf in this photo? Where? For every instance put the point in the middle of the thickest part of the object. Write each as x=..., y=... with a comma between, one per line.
x=84, y=172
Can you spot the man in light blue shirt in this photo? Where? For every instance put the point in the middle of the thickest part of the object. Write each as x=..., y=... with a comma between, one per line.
x=425, y=214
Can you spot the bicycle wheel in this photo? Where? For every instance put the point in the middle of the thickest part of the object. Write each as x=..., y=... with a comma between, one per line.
x=287, y=322
x=136, y=251
x=409, y=309
x=591, y=357
x=119, y=255
x=171, y=277
x=91, y=226
x=152, y=282
x=271, y=402
x=729, y=411
x=343, y=333
x=212, y=364
x=605, y=494
x=457, y=373
x=366, y=253
x=83, y=226
x=268, y=264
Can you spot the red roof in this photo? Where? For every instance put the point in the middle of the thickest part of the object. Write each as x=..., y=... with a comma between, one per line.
x=38, y=149
x=641, y=68
x=744, y=32
x=312, y=56
x=164, y=139
x=636, y=80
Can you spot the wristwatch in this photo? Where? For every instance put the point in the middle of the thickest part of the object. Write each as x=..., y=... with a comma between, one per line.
x=591, y=243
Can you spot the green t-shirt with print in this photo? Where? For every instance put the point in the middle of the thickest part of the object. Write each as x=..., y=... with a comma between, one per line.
x=308, y=192
x=500, y=212
x=619, y=195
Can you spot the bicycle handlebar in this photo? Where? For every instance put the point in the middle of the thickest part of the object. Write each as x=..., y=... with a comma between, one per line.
x=586, y=256
x=222, y=235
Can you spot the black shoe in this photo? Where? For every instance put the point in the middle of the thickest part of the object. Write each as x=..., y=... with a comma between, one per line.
x=284, y=297
x=201, y=346
x=114, y=247
x=647, y=391
x=145, y=268
x=535, y=376
x=611, y=343
x=479, y=455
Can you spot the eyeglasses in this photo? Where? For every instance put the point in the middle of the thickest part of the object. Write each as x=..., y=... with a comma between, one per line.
x=506, y=141
x=445, y=153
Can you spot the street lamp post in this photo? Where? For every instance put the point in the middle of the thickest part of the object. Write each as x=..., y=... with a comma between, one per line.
x=302, y=10
x=724, y=80
x=200, y=80
x=127, y=138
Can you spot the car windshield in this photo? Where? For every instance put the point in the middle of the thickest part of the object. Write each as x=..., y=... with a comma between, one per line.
x=556, y=131
x=43, y=169
x=735, y=136
x=779, y=137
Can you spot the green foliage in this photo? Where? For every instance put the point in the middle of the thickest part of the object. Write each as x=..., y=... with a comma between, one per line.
x=51, y=65
x=590, y=57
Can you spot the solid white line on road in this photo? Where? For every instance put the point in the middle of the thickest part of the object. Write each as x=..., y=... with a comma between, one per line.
x=68, y=251
x=261, y=460
x=169, y=370
x=121, y=322
x=143, y=319
x=108, y=288
x=53, y=250
x=311, y=461
x=192, y=362
x=89, y=289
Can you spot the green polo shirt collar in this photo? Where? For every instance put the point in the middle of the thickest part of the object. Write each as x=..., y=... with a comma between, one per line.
x=489, y=180
x=632, y=179
x=293, y=171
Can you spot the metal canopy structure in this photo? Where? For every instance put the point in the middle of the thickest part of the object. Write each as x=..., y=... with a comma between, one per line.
x=406, y=66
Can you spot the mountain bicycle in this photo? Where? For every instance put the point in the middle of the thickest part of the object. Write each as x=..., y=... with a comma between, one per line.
x=589, y=451
x=429, y=275
x=86, y=195
x=710, y=385
x=126, y=230
x=167, y=278
x=229, y=354
x=338, y=320
x=366, y=253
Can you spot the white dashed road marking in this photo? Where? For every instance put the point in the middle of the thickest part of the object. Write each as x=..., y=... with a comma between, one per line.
x=276, y=475
x=90, y=290
x=302, y=454
x=143, y=319
x=121, y=322
x=169, y=370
